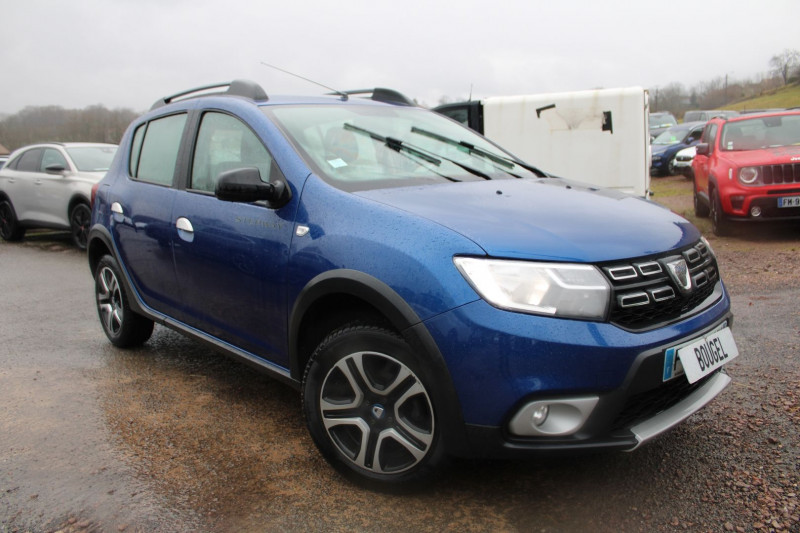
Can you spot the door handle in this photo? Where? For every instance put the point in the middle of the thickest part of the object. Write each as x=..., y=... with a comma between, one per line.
x=185, y=229
x=183, y=224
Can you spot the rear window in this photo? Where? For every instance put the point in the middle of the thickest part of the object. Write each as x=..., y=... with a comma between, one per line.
x=154, y=153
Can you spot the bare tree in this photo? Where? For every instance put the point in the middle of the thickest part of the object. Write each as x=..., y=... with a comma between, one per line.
x=783, y=64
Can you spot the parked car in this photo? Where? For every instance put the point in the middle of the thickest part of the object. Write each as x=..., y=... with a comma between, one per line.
x=683, y=162
x=660, y=122
x=705, y=115
x=3, y=159
x=429, y=294
x=747, y=169
x=666, y=146
x=49, y=186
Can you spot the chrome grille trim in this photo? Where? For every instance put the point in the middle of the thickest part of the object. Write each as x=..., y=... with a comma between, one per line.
x=650, y=268
x=634, y=299
x=621, y=273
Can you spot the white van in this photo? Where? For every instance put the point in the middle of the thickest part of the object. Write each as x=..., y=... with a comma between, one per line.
x=598, y=137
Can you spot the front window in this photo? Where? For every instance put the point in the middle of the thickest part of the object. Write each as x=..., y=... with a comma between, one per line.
x=225, y=143
x=92, y=158
x=52, y=158
x=761, y=132
x=357, y=147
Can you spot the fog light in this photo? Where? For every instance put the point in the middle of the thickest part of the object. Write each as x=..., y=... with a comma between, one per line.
x=552, y=417
x=539, y=415
x=755, y=211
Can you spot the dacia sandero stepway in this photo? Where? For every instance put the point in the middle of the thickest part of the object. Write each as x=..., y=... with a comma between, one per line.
x=429, y=294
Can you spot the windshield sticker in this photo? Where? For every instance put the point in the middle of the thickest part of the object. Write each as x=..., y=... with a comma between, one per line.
x=337, y=163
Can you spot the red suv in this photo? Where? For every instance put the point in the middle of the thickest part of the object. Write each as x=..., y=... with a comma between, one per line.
x=747, y=168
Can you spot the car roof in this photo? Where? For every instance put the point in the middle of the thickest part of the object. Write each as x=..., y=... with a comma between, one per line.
x=748, y=116
x=252, y=91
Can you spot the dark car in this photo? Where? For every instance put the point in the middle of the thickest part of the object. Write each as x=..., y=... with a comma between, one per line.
x=747, y=169
x=660, y=122
x=429, y=294
x=667, y=145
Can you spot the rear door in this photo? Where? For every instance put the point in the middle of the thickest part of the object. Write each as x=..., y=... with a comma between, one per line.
x=142, y=209
x=20, y=183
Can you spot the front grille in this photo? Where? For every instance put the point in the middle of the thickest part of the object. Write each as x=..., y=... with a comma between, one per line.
x=776, y=174
x=645, y=294
x=645, y=405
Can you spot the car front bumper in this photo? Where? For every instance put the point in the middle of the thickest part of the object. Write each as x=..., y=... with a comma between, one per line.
x=606, y=383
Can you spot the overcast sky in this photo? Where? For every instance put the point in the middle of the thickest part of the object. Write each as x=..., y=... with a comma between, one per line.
x=128, y=53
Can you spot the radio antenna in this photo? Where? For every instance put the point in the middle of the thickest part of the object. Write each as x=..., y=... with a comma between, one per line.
x=334, y=91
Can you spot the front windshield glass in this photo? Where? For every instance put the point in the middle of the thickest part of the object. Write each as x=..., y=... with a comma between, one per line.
x=761, y=132
x=357, y=147
x=92, y=158
x=671, y=136
x=660, y=121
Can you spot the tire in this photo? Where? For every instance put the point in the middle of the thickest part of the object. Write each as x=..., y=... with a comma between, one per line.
x=10, y=229
x=701, y=210
x=671, y=167
x=369, y=409
x=79, y=219
x=719, y=224
x=123, y=327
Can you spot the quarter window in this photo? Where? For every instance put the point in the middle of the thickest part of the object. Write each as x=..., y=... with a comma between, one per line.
x=157, y=145
x=225, y=143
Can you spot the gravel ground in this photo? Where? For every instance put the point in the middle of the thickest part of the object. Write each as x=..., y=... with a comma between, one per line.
x=172, y=437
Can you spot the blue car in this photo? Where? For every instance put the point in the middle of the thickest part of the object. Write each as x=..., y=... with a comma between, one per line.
x=666, y=146
x=427, y=293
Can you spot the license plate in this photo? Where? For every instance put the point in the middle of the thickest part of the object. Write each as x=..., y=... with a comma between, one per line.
x=789, y=201
x=700, y=357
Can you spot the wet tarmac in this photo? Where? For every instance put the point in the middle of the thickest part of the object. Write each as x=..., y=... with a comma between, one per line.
x=174, y=437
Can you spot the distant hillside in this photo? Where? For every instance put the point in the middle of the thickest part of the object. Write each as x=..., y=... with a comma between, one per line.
x=786, y=97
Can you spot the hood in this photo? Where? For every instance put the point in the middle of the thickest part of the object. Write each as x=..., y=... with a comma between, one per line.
x=766, y=156
x=546, y=219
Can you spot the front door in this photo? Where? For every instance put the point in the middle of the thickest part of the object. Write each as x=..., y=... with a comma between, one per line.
x=230, y=258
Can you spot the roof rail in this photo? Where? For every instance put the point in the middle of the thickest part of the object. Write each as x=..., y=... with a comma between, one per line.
x=244, y=88
x=381, y=94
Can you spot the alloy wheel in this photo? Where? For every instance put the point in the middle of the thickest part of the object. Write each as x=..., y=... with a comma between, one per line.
x=377, y=412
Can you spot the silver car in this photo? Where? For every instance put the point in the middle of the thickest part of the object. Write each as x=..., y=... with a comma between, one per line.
x=50, y=186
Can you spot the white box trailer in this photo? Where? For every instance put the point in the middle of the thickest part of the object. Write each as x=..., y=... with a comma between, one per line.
x=597, y=137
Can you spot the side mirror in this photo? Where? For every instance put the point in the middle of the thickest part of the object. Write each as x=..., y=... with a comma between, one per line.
x=702, y=149
x=55, y=168
x=245, y=185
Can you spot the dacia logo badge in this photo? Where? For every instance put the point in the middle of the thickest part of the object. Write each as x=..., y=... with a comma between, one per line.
x=679, y=272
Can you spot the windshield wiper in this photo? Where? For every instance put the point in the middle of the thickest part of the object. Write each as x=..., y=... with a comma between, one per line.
x=506, y=163
x=401, y=146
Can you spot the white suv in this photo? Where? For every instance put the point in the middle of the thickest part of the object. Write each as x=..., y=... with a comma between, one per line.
x=49, y=186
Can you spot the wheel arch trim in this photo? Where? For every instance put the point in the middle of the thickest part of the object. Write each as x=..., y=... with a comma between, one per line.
x=402, y=317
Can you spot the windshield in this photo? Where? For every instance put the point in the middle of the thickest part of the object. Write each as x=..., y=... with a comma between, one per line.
x=661, y=121
x=357, y=147
x=92, y=158
x=762, y=132
x=672, y=136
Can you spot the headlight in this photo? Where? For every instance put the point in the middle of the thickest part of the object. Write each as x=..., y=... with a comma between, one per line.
x=555, y=289
x=748, y=175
